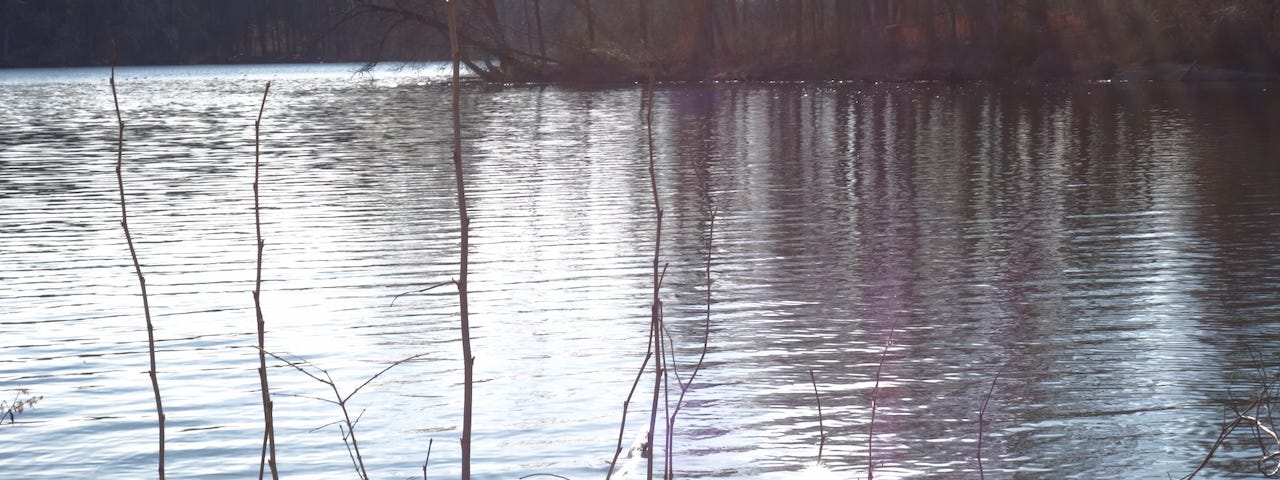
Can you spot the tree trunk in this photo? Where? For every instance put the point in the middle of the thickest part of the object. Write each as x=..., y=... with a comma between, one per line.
x=930, y=30
x=698, y=48
x=542, y=43
x=643, y=6
x=734, y=29
x=591, y=25
x=798, y=14
x=844, y=23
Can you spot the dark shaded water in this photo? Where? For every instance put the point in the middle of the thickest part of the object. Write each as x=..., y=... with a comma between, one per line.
x=1113, y=247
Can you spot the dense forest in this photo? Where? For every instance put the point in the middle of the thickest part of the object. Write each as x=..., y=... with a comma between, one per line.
x=48, y=33
x=603, y=40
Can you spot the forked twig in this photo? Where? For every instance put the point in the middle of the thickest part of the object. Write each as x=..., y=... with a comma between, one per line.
x=1222, y=438
x=347, y=425
x=133, y=252
x=1260, y=429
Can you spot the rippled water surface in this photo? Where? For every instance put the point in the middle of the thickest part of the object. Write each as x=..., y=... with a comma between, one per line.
x=1112, y=248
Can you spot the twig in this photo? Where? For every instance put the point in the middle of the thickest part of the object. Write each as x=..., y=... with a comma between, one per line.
x=298, y=367
x=1267, y=457
x=468, y=364
x=353, y=454
x=1222, y=438
x=626, y=405
x=658, y=373
x=982, y=411
x=706, y=337
x=428, y=460
x=875, y=400
x=669, y=435
x=347, y=425
x=268, y=417
x=308, y=397
x=531, y=475
x=822, y=435
x=1260, y=425
x=441, y=284
x=622, y=427
x=1242, y=416
x=655, y=312
x=133, y=252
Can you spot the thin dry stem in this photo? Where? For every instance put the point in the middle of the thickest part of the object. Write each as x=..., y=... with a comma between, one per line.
x=982, y=411
x=468, y=365
x=706, y=337
x=430, y=441
x=622, y=427
x=822, y=435
x=666, y=403
x=655, y=313
x=626, y=404
x=875, y=400
x=133, y=252
x=269, y=430
x=432, y=287
x=349, y=436
x=353, y=451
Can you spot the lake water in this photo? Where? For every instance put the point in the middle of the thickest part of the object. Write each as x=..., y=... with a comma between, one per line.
x=1113, y=247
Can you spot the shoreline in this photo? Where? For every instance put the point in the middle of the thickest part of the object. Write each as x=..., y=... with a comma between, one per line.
x=589, y=75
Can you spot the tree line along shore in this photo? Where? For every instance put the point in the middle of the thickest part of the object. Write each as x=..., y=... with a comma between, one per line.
x=604, y=41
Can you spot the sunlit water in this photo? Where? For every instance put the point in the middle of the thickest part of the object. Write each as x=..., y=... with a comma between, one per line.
x=1112, y=247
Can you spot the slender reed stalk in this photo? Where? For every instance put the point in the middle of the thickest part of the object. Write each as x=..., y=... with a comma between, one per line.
x=268, y=418
x=655, y=312
x=669, y=468
x=667, y=369
x=659, y=370
x=822, y=435
x=137, y=267
x=982, y=411
x=465, y=221
x=875, y=400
